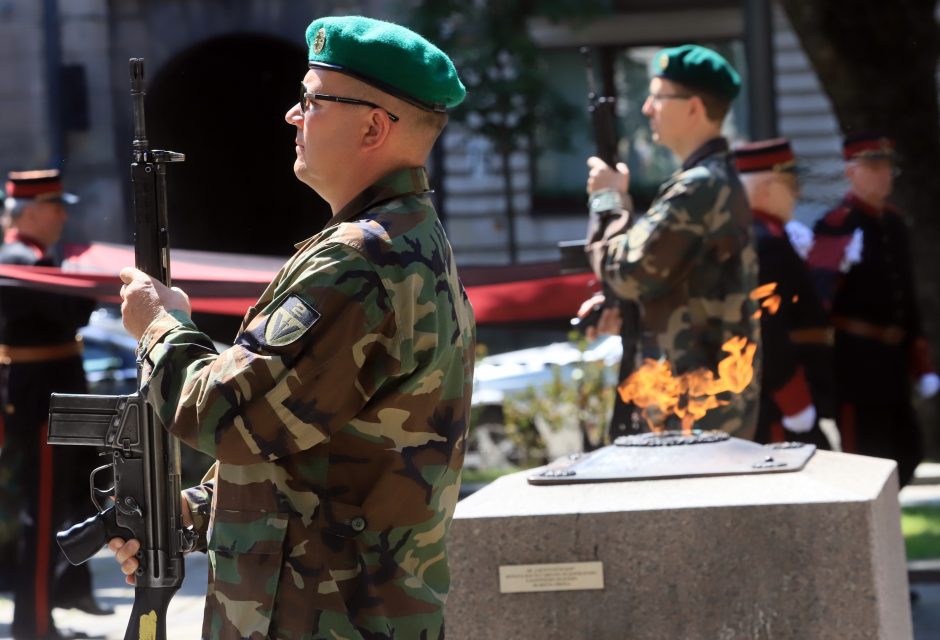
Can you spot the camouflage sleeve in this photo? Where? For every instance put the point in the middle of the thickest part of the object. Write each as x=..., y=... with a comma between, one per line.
x=198, y=500
x=301, y=367
x=646, y=258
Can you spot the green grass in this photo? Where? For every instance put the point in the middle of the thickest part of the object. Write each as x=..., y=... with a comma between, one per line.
x=921, y=529
x=482, y=476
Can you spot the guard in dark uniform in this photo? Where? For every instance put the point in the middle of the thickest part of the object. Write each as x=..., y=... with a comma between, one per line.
x=796, y=389
x=40, y=354
x=862, y=268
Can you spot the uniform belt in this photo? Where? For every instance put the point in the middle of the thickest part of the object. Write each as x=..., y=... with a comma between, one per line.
x=40, y=353
x=891, y=334
x=813, y=335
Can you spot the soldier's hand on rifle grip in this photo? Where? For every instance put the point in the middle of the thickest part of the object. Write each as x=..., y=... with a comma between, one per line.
x=601, y=176
x=599, y=319
x=125, y=551
x=143, y=298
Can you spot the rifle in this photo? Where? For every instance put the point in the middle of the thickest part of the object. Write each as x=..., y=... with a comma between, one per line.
x=144, y=501
x=602, y=110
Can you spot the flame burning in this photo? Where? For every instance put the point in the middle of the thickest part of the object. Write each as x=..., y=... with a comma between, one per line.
x=659, y=394
x=768, y=299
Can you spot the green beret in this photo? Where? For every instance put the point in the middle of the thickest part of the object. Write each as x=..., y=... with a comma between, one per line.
x=697, y=68
x=388, y=56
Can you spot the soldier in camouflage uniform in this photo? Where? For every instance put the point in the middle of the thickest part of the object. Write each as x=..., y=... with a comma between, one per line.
x=690, y=260
x=338, y=419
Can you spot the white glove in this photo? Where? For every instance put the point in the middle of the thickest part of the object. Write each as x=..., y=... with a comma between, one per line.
x=801, y=237
x=853, y=251
x=928, y=385
x=801, y=422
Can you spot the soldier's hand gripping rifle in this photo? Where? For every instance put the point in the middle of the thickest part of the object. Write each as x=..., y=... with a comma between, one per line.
x=144, y=502
x=602, y=110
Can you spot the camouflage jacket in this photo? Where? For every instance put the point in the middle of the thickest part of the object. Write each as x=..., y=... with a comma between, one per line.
x=338, y=422
x=691, y=264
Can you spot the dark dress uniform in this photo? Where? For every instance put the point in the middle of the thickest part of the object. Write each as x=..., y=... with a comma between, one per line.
x=796, y=339
x=39, y=355
x=879, y=345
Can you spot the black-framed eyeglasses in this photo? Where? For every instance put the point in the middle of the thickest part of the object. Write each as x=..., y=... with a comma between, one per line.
x=306, y=98
x=657, y=97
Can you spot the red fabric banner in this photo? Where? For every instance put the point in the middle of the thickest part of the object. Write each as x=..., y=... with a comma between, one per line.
x=228, y=284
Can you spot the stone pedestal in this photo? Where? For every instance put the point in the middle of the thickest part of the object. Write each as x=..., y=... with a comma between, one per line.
x=811, y=554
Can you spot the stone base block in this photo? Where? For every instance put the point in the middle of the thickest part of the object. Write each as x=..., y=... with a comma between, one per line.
x=811, y=554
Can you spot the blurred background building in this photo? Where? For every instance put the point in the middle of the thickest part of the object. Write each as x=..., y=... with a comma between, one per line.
x=221, y=74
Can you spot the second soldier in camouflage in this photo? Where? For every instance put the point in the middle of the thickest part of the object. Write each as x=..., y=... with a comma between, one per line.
x=690, y=260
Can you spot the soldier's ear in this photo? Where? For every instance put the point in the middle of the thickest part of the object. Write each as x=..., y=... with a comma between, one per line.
x=697, y=107
x=378, y=126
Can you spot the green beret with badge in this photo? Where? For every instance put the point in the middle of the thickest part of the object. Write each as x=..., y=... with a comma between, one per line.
x=697, y=68
x=387, y=56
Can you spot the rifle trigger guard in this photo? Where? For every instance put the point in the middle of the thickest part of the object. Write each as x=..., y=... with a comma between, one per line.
x=94, y=491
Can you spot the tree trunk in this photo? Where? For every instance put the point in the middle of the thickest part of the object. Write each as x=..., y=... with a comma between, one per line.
x=877, y=61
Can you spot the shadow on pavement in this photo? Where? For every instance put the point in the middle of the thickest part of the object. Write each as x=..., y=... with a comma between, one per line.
x=184, y=618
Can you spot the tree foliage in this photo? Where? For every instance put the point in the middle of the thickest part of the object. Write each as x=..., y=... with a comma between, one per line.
x=508, y=89
x=509, y=92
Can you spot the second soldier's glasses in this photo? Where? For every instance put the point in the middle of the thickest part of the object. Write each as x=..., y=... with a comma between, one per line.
x=659, y=97
x=306, y=98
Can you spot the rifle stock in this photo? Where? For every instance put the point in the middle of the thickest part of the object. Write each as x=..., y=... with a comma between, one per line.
x=144, y=502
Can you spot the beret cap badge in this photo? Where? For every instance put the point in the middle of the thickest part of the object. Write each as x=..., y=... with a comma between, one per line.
x=319, y=41
x=663, y=61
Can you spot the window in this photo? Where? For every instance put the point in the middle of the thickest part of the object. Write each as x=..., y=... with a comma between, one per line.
x=559, y=172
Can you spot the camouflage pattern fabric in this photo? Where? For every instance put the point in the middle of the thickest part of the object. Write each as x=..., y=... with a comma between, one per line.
x=338, y=422
x=691, y=264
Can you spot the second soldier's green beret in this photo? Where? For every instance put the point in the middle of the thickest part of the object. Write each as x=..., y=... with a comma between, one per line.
x=388, y=56
x=697, y=68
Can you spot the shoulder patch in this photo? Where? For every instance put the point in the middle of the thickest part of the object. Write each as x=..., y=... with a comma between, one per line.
x=289, y=322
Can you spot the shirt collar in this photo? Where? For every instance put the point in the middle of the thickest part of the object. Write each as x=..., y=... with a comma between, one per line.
x=713, y=146
x=854, y=202
x=15, y=235
x=398, y=184
x=774, y=223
